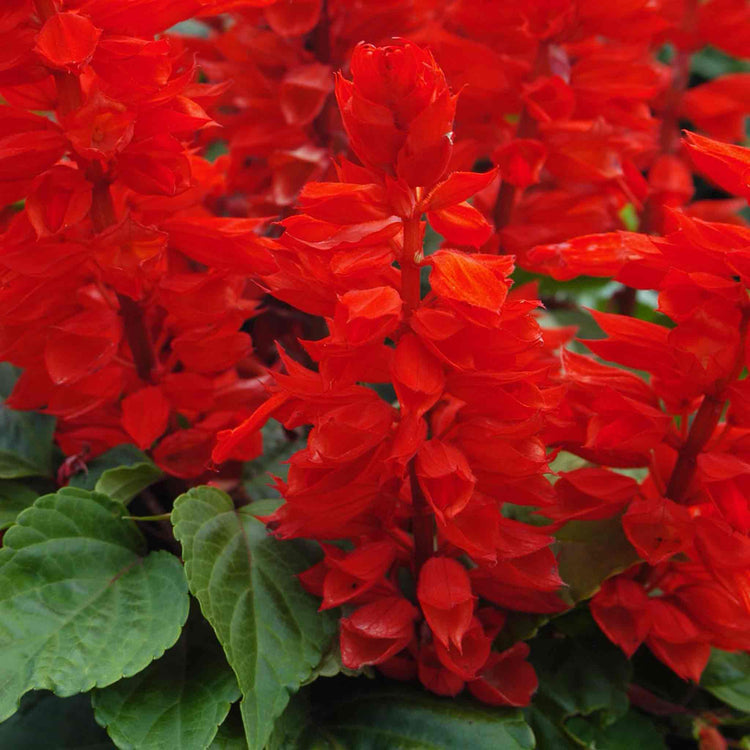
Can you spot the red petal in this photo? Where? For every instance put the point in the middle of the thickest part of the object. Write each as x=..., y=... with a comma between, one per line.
x=145, y=414
x=444, y=593
x=461, y=224
x=67, y=41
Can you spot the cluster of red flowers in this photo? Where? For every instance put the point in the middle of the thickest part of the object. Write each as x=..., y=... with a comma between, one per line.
x=130, y=263
x=122, y=294
x=689, y=519
x=567, y=97
x=467, y=364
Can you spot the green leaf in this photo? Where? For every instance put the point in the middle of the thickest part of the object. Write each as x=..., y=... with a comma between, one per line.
x=634, y=730
x=361, y=714
x=121, y=457
x=177, y=702
x=629, y=217
x=46, y=722
x=711, y=63
x=25, y=437
x=14, y=497
x=81, y=603
x=589, y=552
x=231, y=734
x=548, y=733
x=246, y=584
x=727, y=676
x=125, y=482
x=583, y=675
x=277, y=448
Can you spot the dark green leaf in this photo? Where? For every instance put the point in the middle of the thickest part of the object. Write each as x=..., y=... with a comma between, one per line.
x=25, y=437
x=634, y=730
x=177, y=702
x=118, y=458
x=361, y=714
x=589, y=552
x=278, y=446
x=246, y=584
x=46, y=722
x=727, y=676
x=583, y=675
x=125, y=482
x=14, y=497
x=81, y=603
x=231, y=734
x=710, y=63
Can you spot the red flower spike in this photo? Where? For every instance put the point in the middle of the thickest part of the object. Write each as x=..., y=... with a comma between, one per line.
x=507, y=680
x=376, y=631
x=444, y=593
x=145, y=414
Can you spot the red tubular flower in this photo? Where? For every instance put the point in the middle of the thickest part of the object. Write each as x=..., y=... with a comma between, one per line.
x=507, y=680
x=444, y=593
x=376, y=631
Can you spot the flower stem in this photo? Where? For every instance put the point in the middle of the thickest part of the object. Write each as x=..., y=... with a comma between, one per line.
x=410, y=264
x=704, y=424
x=423, y=523
x=136, y=331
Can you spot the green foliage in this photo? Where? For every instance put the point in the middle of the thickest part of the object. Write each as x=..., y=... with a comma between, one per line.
x=710, y=63
x=121, y=473
x=373, y=715
x=581, y=676
x=82, y=604
x=177, y=702
x=14, y=497
x=245, y=581
x=46, y=722
x=25, y=437
x=231, y=734
x=727, y=676
x=589, y=552
x=634, y=730
x=125, y=482
x=278, y=446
